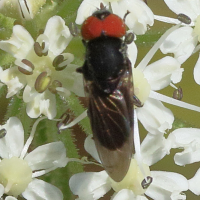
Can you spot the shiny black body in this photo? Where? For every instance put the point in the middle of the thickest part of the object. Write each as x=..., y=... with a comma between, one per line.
x=108, y=84
x=103, y=58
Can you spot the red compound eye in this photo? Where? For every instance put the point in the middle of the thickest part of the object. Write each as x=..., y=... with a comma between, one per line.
x=91, y=28
x=114, y=26
x=111, y=25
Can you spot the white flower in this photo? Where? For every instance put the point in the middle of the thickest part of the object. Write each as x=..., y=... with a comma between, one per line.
x=154, y=148
x=24, y=9
x=187, y=139
x=183, y=41
x=194, y=183
x=19, y=169
x=41, y=68
x=93, y=185
x=154, y=116
x=138, y=19
x=167, y=185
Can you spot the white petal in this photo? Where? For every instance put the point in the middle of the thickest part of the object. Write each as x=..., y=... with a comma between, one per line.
x=189, y=8
x=194, y=183
x=14, y=86
x=41, y=190
x=181, y=42
x=29, y=94
x=185, y=136
x=141, y=198
x=153, y=148
x=12, y=144
x=87, y=8
x=10, y=198
x=165, y=184
x=14, y=80
x=177, y=75
x=90, y=147
x=140, y=15
x=177, y=195
x=197, y=71
x=42, y=103
x=189, y=139
x=187, y=157
x=124, y=194
x=78, y=86
x=159, y=74
x=47, y=156
x=58, y=34
x=132, y=53
x=155, y=117
x=71, y=80
x=90, y=185
x=19, y=44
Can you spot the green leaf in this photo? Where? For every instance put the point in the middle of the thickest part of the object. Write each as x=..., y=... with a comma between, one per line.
x=14, y=107
x=68, y=9
x=17, y=108
x=6, y=25
x=76, y=106
x=46, y=132
x=3, y=91
x=6, y=59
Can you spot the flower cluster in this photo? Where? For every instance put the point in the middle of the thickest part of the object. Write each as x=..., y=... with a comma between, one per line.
x=19, y=169
x=41, y=69
x=40, y=62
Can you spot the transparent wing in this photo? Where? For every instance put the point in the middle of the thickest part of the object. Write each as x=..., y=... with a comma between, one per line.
x=111, y=117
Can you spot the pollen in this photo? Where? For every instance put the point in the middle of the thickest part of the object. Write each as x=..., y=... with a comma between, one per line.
x=42, y=82
x=15, y=175
x=133, y=179
x=141, y=85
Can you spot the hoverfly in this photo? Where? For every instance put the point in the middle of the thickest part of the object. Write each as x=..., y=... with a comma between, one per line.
x=108, y=83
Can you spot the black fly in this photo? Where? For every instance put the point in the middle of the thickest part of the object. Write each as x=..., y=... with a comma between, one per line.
x=108, y=83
